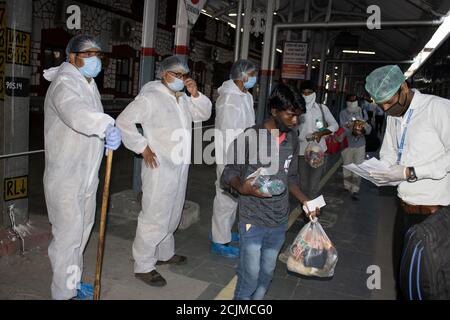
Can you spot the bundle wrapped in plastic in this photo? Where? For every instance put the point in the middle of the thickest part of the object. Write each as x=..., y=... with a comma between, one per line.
x=266, y=184
x=312, y=253
x=314, y=154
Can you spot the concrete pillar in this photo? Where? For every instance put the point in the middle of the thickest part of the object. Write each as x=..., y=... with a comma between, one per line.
x=237, y=42
x=290, y=17
x=182, y=30
x=266, y=74
x=311, y=40
x=15, y=74
x=322, y=71
x=341, y=100
x=147, y=68
x=247, y=28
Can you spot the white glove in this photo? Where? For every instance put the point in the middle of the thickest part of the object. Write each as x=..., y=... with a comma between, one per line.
x=393, y=174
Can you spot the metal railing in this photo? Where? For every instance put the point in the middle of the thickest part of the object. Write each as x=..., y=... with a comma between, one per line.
x=20, y=154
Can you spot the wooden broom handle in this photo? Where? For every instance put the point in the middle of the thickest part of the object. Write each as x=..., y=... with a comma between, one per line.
x=101, y=239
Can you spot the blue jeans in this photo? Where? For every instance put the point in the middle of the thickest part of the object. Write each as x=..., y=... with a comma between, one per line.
x=259, y=248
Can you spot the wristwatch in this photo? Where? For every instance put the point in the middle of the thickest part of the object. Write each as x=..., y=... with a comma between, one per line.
x=412, y=175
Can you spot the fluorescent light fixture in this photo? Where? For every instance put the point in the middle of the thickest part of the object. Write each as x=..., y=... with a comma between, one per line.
x=318, y=60
x=436, y=40
x=206, y=13
x=279, y=50
x=232, y=25
x=358, y=52
x=313, y=67
x=232, y=14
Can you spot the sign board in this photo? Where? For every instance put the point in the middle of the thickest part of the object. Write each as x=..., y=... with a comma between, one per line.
x=16, y=188
x=18, y=47
x=2, y=48
x=294, y=60
x=17, y=87
x=194, y=8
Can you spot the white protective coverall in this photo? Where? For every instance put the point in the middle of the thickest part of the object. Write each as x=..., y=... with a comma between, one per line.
x=165, y=120
x=234, y=110
x=74, y=131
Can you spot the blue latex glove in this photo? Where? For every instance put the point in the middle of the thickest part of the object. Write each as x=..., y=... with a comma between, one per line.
x=113, y=138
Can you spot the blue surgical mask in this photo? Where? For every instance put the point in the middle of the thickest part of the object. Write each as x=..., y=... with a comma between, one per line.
x=250, y=82
x=92, y=67
x=176, y=85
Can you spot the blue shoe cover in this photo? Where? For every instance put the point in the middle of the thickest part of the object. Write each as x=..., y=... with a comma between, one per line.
x=224, y=250
x=234, y=237
x=85, y=292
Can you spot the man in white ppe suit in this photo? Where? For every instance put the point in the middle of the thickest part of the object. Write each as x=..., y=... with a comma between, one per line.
x=416, y=148
x=234, y=114
x=166, y=115
x=75, y=128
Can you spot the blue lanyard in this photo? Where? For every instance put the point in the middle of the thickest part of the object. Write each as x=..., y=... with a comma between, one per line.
x=402, y=140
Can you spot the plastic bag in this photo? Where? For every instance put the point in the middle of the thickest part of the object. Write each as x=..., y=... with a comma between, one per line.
x=312, y=253
x=314, y=154
x=267, y=185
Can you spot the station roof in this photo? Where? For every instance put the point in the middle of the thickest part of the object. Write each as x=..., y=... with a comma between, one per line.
x=388, y=43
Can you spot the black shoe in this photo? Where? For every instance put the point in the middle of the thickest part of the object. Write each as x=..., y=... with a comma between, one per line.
x=152, y=278
x=355, y=196
x=176, y=259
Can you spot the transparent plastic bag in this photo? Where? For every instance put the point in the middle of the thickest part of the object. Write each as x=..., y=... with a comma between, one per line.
x=312, y=253
x=267, y=185
x=314, y=154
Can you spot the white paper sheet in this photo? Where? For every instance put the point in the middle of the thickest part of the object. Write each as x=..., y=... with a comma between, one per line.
x=318, y=202
x=373, y=164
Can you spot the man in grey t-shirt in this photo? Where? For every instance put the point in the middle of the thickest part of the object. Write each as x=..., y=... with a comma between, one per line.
x=263, y=217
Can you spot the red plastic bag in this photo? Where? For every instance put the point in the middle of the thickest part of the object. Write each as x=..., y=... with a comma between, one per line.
x=333, y=145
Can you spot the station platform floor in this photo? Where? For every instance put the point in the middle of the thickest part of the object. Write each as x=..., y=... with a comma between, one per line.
x=360, y=230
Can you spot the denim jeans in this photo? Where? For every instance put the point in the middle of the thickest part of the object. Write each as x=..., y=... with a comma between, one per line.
x=259, y=248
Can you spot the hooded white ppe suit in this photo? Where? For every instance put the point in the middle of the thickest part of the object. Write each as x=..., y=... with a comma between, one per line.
x=167, y=124
x=234, y=111
x=74, y=131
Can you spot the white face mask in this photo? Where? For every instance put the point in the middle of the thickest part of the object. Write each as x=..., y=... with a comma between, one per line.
x=310, y=99
x=352, y=106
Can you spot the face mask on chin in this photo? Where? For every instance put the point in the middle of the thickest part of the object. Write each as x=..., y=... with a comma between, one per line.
x=281, y=126
x=397, y=109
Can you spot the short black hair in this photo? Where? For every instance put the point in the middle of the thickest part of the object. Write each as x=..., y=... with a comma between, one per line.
x=282, y=98
x=308, y=84
x=348, y=96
